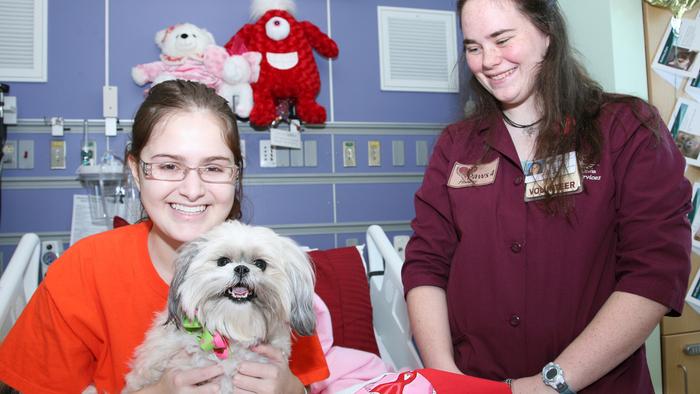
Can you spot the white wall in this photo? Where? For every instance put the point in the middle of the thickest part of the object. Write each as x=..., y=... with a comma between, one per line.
x=609, y=35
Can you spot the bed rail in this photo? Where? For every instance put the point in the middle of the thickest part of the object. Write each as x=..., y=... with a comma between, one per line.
x=19, y=281
x=390, y=317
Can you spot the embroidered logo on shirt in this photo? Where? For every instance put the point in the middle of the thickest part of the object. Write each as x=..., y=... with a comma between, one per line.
x=467, y=175
x=591, y=174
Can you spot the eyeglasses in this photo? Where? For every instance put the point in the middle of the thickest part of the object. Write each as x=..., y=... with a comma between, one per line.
x=172, y=171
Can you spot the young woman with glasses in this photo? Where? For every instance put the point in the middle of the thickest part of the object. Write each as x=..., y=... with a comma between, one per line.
x=98, y=300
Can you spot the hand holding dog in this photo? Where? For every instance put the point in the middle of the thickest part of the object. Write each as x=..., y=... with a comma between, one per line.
x=272, y=378
x=189, y=381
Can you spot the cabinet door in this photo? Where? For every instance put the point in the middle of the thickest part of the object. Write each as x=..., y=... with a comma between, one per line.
x=680, y=367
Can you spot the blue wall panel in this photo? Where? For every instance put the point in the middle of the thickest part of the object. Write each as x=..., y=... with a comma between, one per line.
x=288, y=204
x=375, y=202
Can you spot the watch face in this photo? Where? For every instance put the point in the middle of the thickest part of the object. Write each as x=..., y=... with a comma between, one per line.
x=551, y=373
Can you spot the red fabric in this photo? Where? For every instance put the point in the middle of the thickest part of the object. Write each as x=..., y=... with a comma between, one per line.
x=342, y=284
x=301, y=82
x=452, y=383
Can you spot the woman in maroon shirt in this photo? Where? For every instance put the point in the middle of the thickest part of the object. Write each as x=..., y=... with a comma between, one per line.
x=554, y=280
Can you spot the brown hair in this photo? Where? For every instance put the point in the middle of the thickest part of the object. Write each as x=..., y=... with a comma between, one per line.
x=570, y=101
x=169, y=97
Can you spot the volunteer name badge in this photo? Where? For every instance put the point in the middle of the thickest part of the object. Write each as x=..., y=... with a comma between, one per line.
x=467, y=175
x=535, y=176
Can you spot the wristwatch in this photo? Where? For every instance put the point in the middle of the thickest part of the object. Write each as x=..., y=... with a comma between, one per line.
x=553, y=376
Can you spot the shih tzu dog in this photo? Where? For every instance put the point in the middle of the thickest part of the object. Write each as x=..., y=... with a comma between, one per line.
x=235, y=287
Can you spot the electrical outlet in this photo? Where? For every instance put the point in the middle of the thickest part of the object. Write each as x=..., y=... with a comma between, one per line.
x=58, y=155
x=349, y=154
x=9, y=152
x=268, y=156
x=50, y=250
x=374, y=155
x=26, y=154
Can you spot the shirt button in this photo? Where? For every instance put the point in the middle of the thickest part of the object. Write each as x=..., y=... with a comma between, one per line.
x=518, y=180
x=516, y=247
x=515, y=320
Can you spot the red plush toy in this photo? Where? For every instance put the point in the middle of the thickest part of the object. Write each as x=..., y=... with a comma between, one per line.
x=288, y=69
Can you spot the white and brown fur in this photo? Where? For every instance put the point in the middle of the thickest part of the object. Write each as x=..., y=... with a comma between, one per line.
x=202, y=288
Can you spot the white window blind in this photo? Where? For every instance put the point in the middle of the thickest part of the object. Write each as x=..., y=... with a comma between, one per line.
x=23, y=40
x=417, y=50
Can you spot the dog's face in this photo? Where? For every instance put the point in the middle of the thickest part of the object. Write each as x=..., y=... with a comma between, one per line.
x=242, y=281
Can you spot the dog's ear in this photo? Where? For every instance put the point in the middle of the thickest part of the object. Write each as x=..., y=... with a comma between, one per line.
x=185, y=256
x=301, y=276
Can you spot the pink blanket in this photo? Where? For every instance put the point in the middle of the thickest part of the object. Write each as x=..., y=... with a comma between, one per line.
x=348, y=367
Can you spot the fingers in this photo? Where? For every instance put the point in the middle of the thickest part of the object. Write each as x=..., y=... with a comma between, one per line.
x=259, y=370
x=272, y=353
x=197, y=375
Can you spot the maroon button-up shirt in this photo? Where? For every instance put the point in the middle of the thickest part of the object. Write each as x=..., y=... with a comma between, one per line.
x=521, y=284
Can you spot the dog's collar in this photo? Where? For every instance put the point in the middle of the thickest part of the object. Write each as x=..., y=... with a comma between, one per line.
x=215, y=342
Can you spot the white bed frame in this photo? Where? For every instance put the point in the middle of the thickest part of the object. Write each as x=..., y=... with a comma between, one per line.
x=390, y=319
x=19, y=281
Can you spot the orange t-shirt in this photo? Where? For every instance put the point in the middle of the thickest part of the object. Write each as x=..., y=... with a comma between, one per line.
x=92, y=310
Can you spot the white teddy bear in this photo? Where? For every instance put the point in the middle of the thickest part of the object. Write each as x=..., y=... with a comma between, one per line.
x=189, y=52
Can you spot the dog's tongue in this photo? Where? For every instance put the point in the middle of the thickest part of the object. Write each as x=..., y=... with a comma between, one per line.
x=240, y=292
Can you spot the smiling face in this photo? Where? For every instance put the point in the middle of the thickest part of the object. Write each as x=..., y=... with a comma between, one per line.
x=183, y=210
x=503, y=50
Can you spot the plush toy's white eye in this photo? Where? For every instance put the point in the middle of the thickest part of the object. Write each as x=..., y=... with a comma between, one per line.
x=277, y=28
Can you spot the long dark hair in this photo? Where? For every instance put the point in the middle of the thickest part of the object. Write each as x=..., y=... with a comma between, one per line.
x=177, y=95
x=569, y=100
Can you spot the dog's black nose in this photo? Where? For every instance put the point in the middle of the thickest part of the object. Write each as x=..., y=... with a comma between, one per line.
x=241, y=270
x=184, y=35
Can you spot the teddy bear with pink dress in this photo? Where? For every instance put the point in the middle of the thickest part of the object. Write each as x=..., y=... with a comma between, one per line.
x=189, y=52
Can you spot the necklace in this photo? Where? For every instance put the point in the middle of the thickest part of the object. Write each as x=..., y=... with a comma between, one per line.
x=528, y=129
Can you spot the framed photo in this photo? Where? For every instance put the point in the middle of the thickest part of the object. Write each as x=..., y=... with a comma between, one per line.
x=685, y=129
x=679, y=55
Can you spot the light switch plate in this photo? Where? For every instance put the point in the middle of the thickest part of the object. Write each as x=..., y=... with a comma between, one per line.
x=397, y=153
x=374, y=154
x=310, y=153
x=349, y=154
x=58, y=155
x=421, y=153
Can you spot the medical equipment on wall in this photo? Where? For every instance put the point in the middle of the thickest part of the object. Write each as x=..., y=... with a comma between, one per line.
x=104, y=183
x=50, y=250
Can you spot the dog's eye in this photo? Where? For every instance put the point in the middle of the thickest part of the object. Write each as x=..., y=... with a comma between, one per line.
x=222, y=261
x=260, y=263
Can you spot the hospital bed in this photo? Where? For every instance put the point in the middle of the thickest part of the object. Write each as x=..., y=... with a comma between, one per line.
x=380, y=272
